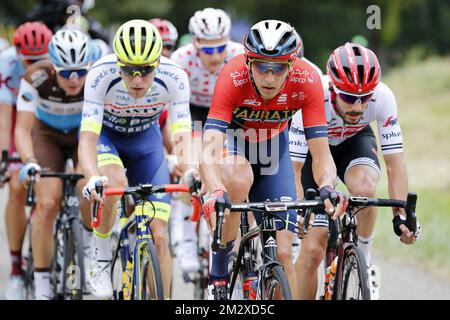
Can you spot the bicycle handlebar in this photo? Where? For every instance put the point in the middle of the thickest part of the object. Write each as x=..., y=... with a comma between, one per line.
x=5, y=160
x=267, y=206
x=140, y=191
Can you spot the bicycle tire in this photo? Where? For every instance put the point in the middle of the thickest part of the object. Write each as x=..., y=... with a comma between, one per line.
x=276, y=277
x=149, y=273
x=117, y=268
x=29, y=269
x=73, y=258
x=353, y=260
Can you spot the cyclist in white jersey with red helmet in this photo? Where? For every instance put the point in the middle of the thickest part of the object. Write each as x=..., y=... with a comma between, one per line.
x=354, y=98
x=30, y=45
x=202, y=59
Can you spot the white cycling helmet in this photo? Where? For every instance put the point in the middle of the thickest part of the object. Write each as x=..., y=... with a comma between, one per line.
x=210, y=24
x=70, y=48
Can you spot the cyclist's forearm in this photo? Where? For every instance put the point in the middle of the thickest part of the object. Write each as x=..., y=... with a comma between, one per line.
x=22, y=135
x=183, y=148
x=87, y=153
x=211, y=156
x=5, y=125
x=397, y=178
x=323, y=167
x=297, y=167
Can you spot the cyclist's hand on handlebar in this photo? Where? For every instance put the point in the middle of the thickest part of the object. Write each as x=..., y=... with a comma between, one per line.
x=401, y=230
x=24, y=177
x=209, y=207
x=335, y=202
x=190, y=177
x=89, y=192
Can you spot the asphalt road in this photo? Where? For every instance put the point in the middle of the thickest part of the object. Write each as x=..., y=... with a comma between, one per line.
x=398, y=280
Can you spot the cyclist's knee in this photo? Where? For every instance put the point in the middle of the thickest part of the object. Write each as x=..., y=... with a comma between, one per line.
x=313, y=255
x=116, y=178
x=364, y=188
x=285, y=257
x=47, y=209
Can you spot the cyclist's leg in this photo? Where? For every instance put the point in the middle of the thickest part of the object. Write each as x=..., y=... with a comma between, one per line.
x=313, y=245
x=360, y=170
x=275, y=180
x=237, y=177
x=48, y=150
x=15, y=221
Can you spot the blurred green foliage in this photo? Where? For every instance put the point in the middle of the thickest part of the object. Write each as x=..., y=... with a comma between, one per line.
x=421, y=25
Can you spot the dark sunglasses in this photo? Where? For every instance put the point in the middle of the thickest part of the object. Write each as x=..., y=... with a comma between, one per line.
x=352, y=98
x=67, y=74
x=211, y=50
x=277, y=68
x=134, y=71
x=169, y=47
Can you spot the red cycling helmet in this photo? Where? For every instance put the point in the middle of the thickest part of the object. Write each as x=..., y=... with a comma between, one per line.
x=31, y=39
x=354, y=69
x=167, y=30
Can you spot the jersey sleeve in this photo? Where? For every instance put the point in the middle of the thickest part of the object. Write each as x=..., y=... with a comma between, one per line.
x=389, y=130
x=223, y=102
x=28, y=98
x=180, y=115
x=6, y=93
x=313, y=109
x=298, y=148
x=95, y=89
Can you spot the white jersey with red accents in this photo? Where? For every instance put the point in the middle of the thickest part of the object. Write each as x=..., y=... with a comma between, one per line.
x=201, y=81
x=382, y=108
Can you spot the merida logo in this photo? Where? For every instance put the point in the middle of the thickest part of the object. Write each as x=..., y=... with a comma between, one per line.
x=270, y=243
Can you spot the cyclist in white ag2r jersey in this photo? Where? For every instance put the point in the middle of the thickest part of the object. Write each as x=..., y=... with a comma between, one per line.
x=354, y=98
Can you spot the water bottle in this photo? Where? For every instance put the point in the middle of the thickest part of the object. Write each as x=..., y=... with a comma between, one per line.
x=248, y=286
x=332, y=275
x=127, y=275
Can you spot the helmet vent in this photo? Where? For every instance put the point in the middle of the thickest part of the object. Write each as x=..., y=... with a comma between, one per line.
x=348, y=74
x=360, y=73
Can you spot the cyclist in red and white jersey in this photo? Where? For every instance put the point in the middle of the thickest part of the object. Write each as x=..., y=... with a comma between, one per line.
x=30, y=45
x=255, y=96
x=202, y=59
x=354, y=98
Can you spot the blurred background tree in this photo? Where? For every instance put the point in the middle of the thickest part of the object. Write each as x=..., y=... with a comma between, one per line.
x=409, y=29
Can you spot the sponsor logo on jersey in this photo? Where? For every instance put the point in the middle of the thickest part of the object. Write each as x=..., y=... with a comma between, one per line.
x=252, y=102
x=248, y=113
x=100, y=76
x=38, y=77
x=296, y=130
x=5, y=82
x=391, y=121
x=282, y=99
x=27, y=96
x=391, y=135
x=103, y=148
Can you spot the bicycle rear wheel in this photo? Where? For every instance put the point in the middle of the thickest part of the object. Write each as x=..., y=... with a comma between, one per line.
x=148, y=280
x=275, y=285
x=352, y=282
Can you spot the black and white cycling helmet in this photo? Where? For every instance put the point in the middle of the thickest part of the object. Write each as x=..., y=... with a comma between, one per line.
x=210, y=24
x=70, y=48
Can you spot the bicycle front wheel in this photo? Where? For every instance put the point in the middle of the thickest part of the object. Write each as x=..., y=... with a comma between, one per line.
x=275, y=285
x=352, y=283
x=149, y=285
